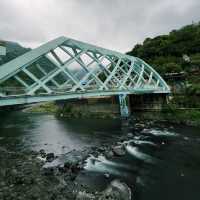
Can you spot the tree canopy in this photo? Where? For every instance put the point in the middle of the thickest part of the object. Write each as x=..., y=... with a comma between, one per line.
x=165, y=52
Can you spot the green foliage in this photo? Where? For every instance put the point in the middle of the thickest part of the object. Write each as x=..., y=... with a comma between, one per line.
x=194, y=89
x=49, y=107
x=164, y=50
x=165, y=54
x=191, y=116
x=172, y=68
x=67, y=108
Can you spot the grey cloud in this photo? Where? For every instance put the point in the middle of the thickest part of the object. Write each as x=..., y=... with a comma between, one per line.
x=114, y=24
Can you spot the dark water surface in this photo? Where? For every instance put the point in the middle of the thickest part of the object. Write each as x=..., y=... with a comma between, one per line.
x=161, y=163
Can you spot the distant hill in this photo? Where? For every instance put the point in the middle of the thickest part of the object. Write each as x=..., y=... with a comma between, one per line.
x=175, y=52
x=13, y=50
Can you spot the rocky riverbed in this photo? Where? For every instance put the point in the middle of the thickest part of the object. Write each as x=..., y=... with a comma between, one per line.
x=41, y=175
x=53, y=158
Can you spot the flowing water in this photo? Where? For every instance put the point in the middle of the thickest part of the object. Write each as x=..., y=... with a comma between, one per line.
x=161, y=162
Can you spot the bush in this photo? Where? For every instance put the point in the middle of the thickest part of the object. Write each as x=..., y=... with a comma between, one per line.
x=172, y=68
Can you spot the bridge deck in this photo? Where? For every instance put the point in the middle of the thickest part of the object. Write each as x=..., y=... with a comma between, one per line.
x=16, y=100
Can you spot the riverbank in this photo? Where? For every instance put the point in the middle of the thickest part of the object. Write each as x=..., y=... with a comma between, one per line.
x=47, y=107
x=190, y=117
x=71, y=111
x=185, y=116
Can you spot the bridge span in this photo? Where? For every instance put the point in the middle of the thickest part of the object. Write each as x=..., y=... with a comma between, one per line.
x=65, y=68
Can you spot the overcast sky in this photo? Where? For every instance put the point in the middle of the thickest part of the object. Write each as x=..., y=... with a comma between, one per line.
x=113, y=24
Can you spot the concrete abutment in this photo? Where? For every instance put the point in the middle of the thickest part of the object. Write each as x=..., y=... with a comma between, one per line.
x=112, y=106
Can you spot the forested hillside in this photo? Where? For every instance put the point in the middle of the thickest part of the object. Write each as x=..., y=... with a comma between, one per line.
x=178, y=52
x=175, y=52
x=13, y=50
x=176, y=57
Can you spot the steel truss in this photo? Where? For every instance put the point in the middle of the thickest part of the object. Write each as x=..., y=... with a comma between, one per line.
x=65, y=68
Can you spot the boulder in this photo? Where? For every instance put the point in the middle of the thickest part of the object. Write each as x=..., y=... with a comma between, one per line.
x=117, y=190
x=130, y=135
x=107, y=175
x=84, y=196
x=50, y=157
x=48, y=171
x=139, y=125
x=42, y=153
x=74, y=159
x=69, y=162
x=109, y=154
x=119, y=150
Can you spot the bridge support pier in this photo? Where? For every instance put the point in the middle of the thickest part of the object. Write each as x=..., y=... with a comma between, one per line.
x=124, y=107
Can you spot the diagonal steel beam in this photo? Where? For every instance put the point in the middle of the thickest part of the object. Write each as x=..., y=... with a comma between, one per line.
x=64, y=69
x=110, y=76
x=99, y=82
x=45, y=73
x=104, y=68
x=40, y=83
x=21, y=81
x=14, y=66
x=127, y=75
x=53, y=73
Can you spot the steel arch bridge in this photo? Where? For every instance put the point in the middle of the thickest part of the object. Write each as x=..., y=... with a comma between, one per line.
x=65, y=68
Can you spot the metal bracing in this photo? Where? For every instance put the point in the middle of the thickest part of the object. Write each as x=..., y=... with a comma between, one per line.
x=75, y=69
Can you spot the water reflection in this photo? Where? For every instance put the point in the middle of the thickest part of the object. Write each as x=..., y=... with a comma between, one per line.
x=37, y=131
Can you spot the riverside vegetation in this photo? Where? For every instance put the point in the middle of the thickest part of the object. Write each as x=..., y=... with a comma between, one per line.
x=176, y=57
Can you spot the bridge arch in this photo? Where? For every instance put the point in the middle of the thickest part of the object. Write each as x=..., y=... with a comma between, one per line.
x=65, y=68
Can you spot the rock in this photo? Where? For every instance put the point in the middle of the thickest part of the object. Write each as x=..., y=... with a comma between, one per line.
x=109, y=154
x=94, y=148
x=69, y=162
x=107, y=175
x=48, y=171
x=42, y=153
x=119, y=150
x=101, y=149
x=130, y=135
x=182, y=174
x=50, y=157
x=84, y=196
x=117, y=190
x=74, y=159
x=139, y=125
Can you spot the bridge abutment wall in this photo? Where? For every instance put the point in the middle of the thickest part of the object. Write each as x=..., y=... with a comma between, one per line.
x=115, y=106
x=92, y=107
x=150, y=102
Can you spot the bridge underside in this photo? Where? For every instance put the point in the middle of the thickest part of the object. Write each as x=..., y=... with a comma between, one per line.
x=65, y=68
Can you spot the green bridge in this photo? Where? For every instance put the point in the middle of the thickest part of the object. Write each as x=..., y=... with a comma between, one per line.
x=65, y=68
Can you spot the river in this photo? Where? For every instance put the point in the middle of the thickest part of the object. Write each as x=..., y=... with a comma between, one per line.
x=161, y=162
